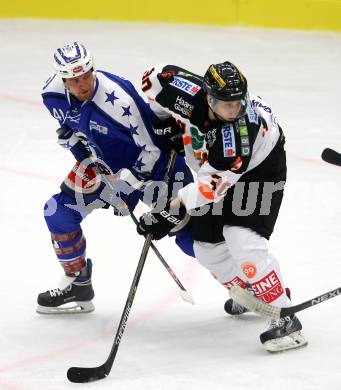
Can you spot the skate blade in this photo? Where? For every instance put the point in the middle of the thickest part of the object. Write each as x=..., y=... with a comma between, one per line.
x=77, y=307
x=295, y=340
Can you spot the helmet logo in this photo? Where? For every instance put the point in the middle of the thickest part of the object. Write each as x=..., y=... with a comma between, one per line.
x=70, y=53
x=217, y=77
x=77, y=69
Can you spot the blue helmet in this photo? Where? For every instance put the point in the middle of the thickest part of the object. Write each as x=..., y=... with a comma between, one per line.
x=72, y=60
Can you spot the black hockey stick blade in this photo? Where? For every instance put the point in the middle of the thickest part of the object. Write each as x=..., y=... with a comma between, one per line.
x=84, y=375
x=331, y=156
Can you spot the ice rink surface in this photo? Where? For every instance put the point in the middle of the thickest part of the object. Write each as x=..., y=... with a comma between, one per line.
x=168, y=344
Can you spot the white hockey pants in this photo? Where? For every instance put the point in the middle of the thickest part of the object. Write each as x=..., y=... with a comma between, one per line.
x=244, y=258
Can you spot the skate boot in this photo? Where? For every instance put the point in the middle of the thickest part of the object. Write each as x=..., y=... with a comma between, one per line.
x=283, y=334
x=74, y=298
x=233, y=308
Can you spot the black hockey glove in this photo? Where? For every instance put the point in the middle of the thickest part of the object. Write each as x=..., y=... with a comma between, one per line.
x=160, y=223
x=169, y=135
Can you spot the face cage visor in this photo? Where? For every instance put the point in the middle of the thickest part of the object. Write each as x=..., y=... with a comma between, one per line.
x=214, y=103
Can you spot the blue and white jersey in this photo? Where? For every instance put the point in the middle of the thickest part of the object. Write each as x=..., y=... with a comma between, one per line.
x=115, y=122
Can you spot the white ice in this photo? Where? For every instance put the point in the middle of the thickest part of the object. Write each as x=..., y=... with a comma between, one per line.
x=168, y=344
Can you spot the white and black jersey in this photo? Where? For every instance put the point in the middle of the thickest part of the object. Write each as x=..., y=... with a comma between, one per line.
x=248, y=150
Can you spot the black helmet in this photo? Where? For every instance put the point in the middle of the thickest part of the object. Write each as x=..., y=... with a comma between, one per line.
x=225, y=82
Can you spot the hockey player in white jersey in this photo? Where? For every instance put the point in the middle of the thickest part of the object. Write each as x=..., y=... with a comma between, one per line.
x=236, y=147
x=108, y=128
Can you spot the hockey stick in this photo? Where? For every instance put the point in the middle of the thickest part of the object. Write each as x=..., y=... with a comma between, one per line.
x=185, y=295
x=254, y=304
x=90, y=374
x=331, y=156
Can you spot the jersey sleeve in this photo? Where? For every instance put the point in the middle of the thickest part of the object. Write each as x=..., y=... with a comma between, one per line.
x=171, y=91
x=152, y=87
x=53, y=96
x=141, y=133
x=210, y=185
x=175, y=92
x=269, y=132
x=55, y=100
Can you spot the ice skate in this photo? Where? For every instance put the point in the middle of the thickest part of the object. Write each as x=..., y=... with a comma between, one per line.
x=74, y=298
x=283, y=334
x=233, y=308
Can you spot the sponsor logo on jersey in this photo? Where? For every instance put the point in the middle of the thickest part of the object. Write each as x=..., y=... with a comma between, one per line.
x=249, y=270
x=244, y=141
x=243, y=130
x=197, y=139
x=165, y=131
x=253, y=117
x=184, y=107
x=256, y=103
x=185, y=85
x=211, y=137
x=229, y=143
x=245, y=151
x=95, y=126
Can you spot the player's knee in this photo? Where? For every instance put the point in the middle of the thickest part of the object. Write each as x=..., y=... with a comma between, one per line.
x=50, y=208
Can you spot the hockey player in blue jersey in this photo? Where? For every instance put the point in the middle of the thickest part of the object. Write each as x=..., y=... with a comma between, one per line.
x=109, y=129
